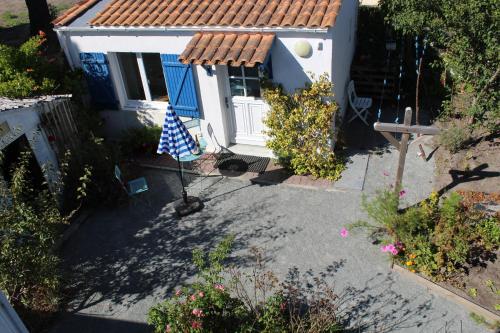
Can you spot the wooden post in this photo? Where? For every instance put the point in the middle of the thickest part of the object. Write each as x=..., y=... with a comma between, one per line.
x=402, y=151
x=406, y=129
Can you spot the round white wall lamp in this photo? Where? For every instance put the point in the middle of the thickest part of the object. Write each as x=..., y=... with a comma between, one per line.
x=303, y=49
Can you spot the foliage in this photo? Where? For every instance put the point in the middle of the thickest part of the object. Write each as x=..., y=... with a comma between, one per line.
x=300, y=129
x=249, y=302
x=466, y=35
x=29, y=223
x=87, y=170
x=454, y=138
x=141, y=140
x=27, y=71
x=438, y=237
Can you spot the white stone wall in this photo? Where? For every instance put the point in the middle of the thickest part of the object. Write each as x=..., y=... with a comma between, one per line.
x=27, y=122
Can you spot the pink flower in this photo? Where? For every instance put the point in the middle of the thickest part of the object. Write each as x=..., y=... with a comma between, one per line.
x=178, y=292
x=198, y=312
x=386, y=173
x=390, y=247
x=196, y=324
x=394, y=251
x=219, y=287
x=282, y=306
x=201, y=294
x=344, y=233
x=168, y=328
x=193, y=298
x=384, y=248
x=402, y=193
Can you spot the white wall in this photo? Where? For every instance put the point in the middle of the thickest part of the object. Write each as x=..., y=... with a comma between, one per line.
x=289, y=69
x=343, y=35
x=9, y=320
x=26, y=122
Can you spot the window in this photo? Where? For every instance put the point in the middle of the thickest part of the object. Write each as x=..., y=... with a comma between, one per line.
x=244, y=81
x=142, y=75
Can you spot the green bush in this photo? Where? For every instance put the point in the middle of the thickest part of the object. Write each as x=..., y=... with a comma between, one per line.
x=436, y=238
x=300, y=129
x=29, y=224
x=141, y=141
x=212, y=305
x=88, y=170
x=454, y=138
x=27, y=71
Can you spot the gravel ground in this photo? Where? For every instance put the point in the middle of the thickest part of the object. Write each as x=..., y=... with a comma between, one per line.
x=125, y=260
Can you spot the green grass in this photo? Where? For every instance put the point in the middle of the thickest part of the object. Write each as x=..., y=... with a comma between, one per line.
x=9, y=19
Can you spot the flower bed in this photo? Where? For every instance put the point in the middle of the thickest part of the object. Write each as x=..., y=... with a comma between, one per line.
x=445, y=239
x=253, y=302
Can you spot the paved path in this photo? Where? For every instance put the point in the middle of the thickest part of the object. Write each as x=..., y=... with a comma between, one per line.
x=127, y=259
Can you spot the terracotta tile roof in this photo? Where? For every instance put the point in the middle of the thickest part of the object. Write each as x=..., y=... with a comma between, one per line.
x=241, y=13
x=74, y=12
x=219, y=48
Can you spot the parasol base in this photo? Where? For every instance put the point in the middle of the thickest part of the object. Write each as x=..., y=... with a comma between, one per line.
x=193, y=205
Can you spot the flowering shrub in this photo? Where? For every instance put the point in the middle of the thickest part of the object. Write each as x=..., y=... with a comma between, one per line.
x=438, y=237
x=245, y=302
x=301, y=129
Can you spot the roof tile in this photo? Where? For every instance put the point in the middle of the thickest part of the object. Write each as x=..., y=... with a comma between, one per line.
x=236, y=13
x=235, y=49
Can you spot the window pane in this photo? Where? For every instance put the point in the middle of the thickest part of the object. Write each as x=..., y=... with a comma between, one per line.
x=131, y=76
x=253, y=88
x=234, y=71
x=252, y=72
x=237, y=88
x=154, y=73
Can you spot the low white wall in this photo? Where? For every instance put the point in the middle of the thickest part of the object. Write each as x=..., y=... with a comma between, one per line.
x=27, y=122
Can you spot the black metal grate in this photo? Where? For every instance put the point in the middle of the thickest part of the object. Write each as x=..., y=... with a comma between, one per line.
x=242, y=163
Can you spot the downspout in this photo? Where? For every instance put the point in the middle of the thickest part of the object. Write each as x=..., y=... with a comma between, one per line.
x=64, y=41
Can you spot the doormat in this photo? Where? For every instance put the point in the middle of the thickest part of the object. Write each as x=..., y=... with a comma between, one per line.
x=242, y=163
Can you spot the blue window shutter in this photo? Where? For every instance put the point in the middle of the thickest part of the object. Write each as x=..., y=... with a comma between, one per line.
x=180, y=86
x=96, y=69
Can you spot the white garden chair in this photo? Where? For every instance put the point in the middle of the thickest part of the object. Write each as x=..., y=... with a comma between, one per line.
x=360, y=105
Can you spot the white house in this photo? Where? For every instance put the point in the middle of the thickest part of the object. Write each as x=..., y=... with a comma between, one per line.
x=204, y=58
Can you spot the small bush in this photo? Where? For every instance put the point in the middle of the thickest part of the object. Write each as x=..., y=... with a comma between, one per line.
x=29, y=225
x=141, y=141
x=301, y=129
x=249, y=302
x=454, y=138
x=438, y=238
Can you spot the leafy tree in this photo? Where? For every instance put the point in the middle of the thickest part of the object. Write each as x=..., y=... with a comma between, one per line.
x=301, y=129
x=465, y=33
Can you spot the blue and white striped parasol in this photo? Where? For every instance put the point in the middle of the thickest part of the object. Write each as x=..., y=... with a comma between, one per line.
x=175, y=139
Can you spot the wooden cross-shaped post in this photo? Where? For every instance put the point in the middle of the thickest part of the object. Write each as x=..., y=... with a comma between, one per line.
x=402, y=146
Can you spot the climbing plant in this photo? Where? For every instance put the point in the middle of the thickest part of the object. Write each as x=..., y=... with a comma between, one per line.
x=301, y=128
x=465, y=34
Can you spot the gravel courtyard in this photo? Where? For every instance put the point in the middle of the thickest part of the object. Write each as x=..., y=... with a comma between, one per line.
x=122, y=261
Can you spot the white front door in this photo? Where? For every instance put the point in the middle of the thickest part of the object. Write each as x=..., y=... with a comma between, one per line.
x=247, y=109
x=247, y=121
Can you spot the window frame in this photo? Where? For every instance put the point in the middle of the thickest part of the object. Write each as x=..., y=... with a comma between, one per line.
x=134, y=104
x=244, y=78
